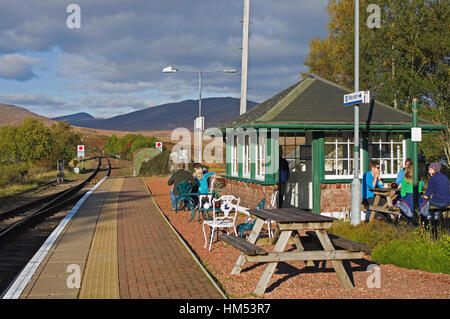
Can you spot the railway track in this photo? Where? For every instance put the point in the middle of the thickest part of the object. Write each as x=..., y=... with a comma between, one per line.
x=25, y=228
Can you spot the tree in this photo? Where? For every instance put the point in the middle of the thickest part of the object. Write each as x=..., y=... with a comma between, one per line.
x=408, y=57
x=64, y=142
x=33, y=141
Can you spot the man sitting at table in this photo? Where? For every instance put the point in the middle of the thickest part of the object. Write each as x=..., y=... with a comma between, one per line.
x=371, y=179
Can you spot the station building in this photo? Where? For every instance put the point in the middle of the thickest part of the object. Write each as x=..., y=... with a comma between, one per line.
x=309, y=124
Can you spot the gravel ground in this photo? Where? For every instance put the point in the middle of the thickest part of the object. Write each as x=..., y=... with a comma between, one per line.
x=293, y=280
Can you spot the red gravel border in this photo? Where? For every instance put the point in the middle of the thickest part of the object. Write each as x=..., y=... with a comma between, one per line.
x=292, y=280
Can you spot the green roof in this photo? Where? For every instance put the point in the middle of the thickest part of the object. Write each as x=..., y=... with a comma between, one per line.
x=320, y=103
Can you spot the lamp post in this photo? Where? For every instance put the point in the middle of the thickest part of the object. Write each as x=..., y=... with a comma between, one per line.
x=356, y=184
x=199, y=122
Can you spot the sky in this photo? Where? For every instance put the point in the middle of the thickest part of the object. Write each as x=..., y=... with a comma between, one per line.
x=112, y=63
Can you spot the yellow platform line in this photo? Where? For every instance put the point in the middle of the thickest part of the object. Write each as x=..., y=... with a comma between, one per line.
x=100, y=278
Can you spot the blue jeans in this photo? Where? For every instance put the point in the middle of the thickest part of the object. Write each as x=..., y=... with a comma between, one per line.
x=173, y=198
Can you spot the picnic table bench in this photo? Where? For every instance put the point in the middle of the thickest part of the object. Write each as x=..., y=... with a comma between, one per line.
x=390, y=194
x=289, y=222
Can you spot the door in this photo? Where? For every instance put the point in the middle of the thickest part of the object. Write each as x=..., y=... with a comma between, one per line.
x=299, y=185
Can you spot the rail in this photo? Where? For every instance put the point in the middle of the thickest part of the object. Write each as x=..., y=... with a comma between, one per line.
x=51, y=204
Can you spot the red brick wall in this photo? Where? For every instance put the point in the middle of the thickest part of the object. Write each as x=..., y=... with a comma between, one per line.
x=333, y=197
x=250, y=193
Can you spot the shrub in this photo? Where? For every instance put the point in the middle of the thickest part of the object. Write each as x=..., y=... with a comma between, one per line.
x=157, y=166
x=416, y=253
x=399, y=245
x=370, y=234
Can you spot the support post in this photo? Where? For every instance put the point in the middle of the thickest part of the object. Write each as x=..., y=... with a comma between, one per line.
x=356, y=184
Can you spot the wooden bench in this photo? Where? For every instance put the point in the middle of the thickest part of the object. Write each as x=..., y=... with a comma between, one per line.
x=344, y=243
x=388, y=210
x=445, y=210
x=242, y=245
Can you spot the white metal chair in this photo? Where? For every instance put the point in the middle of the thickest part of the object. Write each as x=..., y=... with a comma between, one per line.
x=229, y=206
x=208, y=203
x=269, y=221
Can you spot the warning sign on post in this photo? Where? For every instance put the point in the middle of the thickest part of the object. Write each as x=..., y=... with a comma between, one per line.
x=80, y=150
x=159, y=146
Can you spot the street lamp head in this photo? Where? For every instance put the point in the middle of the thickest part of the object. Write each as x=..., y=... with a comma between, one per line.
x=230, y=71
x=170, y=69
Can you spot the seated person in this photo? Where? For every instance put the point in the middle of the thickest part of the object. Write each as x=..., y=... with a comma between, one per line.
x=405, y=202
x=398, y=181
x=181, y=175
x=438, y=191
x=202, y=179
x=371, y=179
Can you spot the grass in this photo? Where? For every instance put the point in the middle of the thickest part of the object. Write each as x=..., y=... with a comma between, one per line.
x=400, y=245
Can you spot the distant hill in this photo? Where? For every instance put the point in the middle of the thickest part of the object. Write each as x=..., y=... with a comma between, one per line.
x=15, y=115
x=166, y=116
x=74, y=118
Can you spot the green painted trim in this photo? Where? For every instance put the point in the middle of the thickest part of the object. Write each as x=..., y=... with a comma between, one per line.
x=409, y=147
x=317, y=169
x=365, y=152
x=350, y=127
x=286, y=101
x=228, y=159
x=253, y=158
x=273, y=155
x=349, y=181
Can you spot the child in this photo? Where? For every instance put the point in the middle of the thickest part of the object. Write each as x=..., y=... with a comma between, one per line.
x=202, y=179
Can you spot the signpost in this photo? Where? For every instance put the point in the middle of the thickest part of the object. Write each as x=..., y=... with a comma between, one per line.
x=80, y=151
x=357, y=98
x=80, y=154
x=158, y=146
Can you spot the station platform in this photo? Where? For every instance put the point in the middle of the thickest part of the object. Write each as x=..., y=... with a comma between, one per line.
x=116, y=245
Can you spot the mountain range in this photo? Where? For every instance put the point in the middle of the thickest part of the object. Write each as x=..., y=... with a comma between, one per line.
x=164, y=117
x=157, y=118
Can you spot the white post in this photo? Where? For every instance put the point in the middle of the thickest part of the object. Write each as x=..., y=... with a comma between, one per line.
x=356, y=184
x=245, y=29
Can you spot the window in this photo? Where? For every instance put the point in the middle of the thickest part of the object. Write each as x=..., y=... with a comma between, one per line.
x=295, y=151
x=339, y=161
x=260, y=157
x=246, y=152
x=234, y=156
x=390, y=151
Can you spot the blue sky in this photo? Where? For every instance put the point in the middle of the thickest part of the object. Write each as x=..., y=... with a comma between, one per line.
x=112, y=64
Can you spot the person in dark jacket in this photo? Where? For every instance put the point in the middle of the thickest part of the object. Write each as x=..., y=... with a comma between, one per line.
x=283, y=176
x=181, y=175
x=438, y=189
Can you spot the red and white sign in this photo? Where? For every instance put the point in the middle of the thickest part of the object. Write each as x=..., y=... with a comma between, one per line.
x=158, y=146
x=80, y=150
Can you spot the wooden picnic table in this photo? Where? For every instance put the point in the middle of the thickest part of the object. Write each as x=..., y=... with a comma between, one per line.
x=289, y=222
x=390, y=194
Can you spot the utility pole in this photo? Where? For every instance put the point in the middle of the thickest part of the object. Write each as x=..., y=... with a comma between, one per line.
x=415, y=163
x=245, y=29
x=356, y=184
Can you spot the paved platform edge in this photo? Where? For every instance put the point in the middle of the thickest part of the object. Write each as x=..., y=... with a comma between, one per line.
x=208, y=275
x=18, y=285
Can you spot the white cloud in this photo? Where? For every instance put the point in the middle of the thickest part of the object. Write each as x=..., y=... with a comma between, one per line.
x=35, y=99
x=122, y=46
x=17, y=67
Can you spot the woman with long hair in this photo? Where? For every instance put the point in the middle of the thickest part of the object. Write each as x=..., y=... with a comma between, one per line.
x=406, y=193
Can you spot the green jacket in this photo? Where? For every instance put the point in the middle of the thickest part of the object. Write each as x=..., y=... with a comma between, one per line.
x=180, y=176
x=408, y=188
